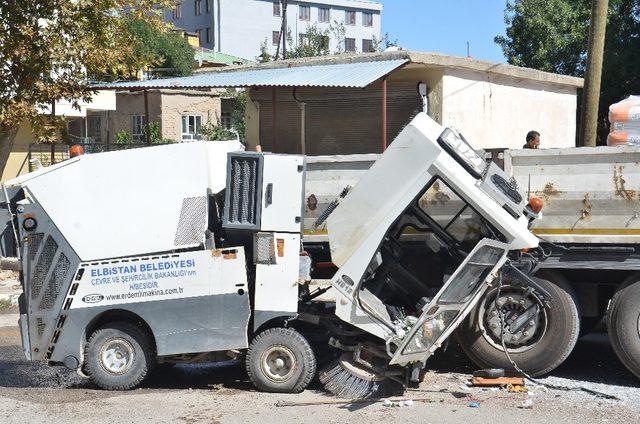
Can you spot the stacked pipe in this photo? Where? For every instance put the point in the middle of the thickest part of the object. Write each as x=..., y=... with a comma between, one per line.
x=625, y=122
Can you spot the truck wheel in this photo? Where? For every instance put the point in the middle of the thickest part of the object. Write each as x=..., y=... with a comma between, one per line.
x=538, y=343
x=623, y=323
x=118, y=356
x=280, y=360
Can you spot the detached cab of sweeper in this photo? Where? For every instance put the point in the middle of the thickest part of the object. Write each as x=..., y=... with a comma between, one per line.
x=418, y=241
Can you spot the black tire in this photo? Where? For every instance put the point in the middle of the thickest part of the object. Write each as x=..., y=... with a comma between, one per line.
x=118, y=356
x=294, y=353
x=623, y=326
x=544, y=353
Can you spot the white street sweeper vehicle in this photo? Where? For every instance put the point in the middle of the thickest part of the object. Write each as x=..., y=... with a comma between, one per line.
x=192, y=252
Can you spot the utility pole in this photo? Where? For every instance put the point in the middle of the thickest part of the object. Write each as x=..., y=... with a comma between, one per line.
x=283, y=31
x=593, y=75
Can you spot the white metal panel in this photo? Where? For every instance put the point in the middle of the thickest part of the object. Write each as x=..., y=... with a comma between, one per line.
x=325, y=178
x=285, y=174
x=590, y=194
x=277, y=285
x=127, y=203
x=144, y=279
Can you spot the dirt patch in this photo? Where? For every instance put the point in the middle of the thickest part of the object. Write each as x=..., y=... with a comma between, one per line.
x=619, y=184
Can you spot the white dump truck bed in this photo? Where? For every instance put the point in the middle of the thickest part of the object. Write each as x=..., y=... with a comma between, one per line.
x=590, y=194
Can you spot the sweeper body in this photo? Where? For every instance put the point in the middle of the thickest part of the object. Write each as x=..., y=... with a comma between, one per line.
x=193, y=252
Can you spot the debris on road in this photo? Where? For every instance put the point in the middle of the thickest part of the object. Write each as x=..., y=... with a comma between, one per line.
x=527, y=404
x=500, y=382
x=401, y=402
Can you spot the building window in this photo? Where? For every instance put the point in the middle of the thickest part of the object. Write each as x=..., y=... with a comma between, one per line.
x=199, y=34
x=305, y=13
x=226, y=120
x=276, y=8
x=94, y=131
x=275, y=37
x=350, y=17
x=191, y=127
x=367, y=19
x=137, y=127
x=208, y=5
x=367, y=46
x=324, y=14
x=350, y=44
x=177, y=11
x=198, y=7
x=208, y=35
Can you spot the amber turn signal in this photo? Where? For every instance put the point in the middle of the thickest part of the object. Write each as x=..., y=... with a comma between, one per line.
x=76, y=150
x=536, y=204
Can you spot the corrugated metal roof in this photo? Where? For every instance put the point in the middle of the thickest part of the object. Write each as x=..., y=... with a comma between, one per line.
x=356, y=75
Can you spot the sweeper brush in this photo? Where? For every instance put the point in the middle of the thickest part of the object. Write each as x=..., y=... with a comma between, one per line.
x=348, y=380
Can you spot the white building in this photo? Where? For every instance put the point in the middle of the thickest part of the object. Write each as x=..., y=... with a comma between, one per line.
x=239, y=27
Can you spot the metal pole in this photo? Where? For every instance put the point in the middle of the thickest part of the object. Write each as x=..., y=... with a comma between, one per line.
x=384, y=114
x=53, y=142
x=273, y=119
x=147, y=135
x=593, y=75
x=303, y=125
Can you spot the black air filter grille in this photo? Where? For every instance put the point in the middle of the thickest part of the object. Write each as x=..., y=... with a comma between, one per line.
x=55, y=282
x=244, y=191
x=42, y=267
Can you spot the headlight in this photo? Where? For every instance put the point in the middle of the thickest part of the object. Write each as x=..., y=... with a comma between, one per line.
x=458, y=147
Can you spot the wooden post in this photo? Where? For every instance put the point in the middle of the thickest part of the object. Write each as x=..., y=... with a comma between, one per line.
x=593, y=74
x=147, y=135
x=384, y=114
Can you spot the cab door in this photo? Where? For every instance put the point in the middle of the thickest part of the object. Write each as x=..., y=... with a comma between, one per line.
x=452, y=303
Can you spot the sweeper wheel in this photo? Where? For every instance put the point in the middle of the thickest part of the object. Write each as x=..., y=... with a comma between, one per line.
x=349, y=380
x=280, y=360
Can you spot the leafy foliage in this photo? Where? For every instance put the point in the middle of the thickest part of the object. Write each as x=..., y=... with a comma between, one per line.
x=238, y=111
x=50, y=48
x=161, y=48
x=316, y=42
x=383, y=43
x=213, y=132
x=153, y=129
x=552, y=35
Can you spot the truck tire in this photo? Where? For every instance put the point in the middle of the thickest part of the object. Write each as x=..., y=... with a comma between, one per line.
x=539, y=348
x=623, y=323
x=280, y=360
x=118, y=356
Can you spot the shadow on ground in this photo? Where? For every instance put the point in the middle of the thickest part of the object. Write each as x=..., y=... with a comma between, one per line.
x=593, y=360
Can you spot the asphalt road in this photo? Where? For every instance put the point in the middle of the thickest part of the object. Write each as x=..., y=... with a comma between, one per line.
x=33, y=392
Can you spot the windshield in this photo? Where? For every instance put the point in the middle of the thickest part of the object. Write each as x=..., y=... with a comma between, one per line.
x=452, y=303
x=454, y=215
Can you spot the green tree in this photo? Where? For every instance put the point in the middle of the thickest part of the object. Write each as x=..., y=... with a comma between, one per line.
x=161, y=48
x=552, y=35
x=50, y=48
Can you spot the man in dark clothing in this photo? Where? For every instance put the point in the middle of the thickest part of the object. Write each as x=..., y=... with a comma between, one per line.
x=533, y=140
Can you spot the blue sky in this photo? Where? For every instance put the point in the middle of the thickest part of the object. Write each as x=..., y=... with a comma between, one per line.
x=445, y=26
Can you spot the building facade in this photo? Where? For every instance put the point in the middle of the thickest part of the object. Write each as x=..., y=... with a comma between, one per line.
x=240, y=27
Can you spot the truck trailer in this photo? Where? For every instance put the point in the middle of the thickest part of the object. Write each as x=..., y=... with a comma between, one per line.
x=193, y=252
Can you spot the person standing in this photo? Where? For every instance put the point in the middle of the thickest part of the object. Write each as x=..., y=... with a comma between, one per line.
x=533, y=140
